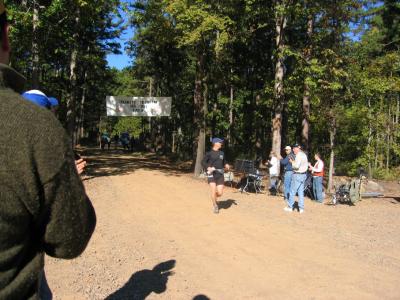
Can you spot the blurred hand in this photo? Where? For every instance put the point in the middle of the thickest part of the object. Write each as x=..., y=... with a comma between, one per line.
x=80, y=165
x=210, y=169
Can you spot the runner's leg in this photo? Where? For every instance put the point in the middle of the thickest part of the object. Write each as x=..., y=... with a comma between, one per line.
x=213, y=187
x=220, y=190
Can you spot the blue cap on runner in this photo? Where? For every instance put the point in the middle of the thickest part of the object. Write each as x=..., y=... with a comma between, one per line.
x=217, y=140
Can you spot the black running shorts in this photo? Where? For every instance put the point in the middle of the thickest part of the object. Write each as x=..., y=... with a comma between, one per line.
x=218, y=178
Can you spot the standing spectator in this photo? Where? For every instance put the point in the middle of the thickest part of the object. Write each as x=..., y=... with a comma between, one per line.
x=318, y=175
x=43, y=204
x=273, y=164
x=287, y=179
x=105, y=139
x=125, y=140
x=132, y=143
x=300, y=166
x=116, y=140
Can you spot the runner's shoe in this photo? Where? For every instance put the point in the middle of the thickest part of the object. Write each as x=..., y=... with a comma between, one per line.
x=216, y=209
x=288, y=209
x=301, y=210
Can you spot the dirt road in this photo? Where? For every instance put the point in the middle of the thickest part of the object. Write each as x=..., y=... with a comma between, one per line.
x=157, y=238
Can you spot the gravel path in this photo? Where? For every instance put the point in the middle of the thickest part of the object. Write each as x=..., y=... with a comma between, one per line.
x=157, y=238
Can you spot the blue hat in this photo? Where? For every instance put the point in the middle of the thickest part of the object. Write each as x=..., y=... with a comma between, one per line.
x=217, y=140
x=37, y=97
x=53, y=102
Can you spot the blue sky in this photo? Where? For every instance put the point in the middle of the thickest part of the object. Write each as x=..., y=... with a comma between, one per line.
x=122, y=60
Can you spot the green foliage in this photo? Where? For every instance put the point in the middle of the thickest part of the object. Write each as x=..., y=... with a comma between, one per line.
x=132, y=125
x=64, y=26
x=353, y=81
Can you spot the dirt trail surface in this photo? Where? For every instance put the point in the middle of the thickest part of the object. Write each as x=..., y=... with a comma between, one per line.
x=157, y=238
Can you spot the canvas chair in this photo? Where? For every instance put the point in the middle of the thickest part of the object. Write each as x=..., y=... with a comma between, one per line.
x=253, y=176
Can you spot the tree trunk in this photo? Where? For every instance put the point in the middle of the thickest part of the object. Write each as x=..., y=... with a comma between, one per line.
x=306, y=93
x=229, y=138
x=71, y=102
x=370, y=171
x=35, y=46
x=200, y=106
x=388, y=139
x=332, y=135
x=376, y=154
x=280, y=25
x=81, y=113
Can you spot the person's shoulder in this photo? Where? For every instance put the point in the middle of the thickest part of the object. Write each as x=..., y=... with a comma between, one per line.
x=28, y=116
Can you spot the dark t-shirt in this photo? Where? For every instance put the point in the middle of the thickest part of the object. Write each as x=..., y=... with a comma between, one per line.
x=214, y=159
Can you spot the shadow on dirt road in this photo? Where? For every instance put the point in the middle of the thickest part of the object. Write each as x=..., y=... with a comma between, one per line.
x=119, y=162
x=145, y=282
x=226, y=204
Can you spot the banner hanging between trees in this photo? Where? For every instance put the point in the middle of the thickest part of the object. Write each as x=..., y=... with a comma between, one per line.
x=121, y=106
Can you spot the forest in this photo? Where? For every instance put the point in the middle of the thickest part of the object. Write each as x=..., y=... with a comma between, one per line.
x=261, y=74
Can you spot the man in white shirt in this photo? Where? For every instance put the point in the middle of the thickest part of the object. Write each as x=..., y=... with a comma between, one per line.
x=300, y=166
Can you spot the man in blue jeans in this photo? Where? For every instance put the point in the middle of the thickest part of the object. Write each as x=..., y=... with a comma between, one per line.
x=300, y=166
x=287, y=179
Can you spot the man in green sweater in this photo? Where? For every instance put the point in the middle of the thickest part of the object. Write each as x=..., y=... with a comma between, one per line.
x=43, y=204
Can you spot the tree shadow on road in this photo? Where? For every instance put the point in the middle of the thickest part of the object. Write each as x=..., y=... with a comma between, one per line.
x=145, y=282
x=117, y=162
x=226, y=204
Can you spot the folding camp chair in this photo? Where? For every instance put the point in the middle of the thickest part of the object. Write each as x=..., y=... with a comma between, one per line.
x=253, y=177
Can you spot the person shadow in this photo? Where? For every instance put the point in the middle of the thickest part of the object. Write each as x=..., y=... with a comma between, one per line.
x=226, y=204
x=201, y=297
x=144, y=282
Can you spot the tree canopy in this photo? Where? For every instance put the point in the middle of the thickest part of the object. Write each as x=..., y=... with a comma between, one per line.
x=261, y=74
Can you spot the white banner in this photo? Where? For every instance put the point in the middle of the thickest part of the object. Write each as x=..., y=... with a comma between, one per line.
x=121, y=106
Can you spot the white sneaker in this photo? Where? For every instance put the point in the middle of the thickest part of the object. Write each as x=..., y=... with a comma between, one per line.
x=301, y=210
x=288, y=209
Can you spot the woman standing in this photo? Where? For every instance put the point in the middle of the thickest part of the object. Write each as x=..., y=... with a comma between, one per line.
x=318, y=175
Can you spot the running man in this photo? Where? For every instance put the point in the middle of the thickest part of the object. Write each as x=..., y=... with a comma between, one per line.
x=214, y=163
